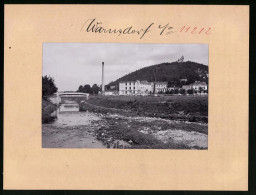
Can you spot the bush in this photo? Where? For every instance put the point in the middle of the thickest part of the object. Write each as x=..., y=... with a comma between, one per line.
x=47, y=109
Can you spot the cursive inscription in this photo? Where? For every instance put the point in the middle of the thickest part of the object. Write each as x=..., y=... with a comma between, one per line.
x=97, y=27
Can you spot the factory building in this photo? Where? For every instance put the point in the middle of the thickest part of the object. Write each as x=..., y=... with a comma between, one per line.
x=135, y=88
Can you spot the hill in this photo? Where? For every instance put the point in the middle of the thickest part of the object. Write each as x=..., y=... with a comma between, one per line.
x=170, y=72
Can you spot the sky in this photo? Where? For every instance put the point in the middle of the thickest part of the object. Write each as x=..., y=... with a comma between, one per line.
x=75, y=64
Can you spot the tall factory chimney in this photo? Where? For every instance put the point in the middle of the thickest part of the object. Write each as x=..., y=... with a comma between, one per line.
x=102, y=79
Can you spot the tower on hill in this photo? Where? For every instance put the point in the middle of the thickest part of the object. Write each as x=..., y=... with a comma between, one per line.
x=180, y=60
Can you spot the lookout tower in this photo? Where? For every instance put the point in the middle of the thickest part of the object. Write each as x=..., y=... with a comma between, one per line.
x=180, y=60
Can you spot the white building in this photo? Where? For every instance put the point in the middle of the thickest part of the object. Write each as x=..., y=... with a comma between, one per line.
x=199, y=85
x=135, y=88
x=187, y=87
x=183, y=80
x=160, y=87
x=196, y=86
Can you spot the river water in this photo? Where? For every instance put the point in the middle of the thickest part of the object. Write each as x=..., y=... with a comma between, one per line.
x=71, y=129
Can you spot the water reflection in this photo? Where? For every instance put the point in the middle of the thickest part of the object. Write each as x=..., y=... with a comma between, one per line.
x=68, y=115
x=70, y=107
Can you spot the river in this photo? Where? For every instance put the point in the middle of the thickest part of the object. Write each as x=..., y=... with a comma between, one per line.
x=75, y=129
x=71, y=129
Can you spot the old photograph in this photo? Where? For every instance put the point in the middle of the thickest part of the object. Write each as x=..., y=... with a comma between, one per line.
x=125, y=96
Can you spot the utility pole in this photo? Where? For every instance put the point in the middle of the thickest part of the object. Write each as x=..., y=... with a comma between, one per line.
x=154, y=91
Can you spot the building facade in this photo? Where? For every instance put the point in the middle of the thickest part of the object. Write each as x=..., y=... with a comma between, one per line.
x=135, y=88
x=187, y=87
x=160, y=87
x=146, y=88
x=199, y=86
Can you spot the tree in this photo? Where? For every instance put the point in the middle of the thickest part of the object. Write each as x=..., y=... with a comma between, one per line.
x=170, y=83
x=192, y=78
x=48, y=86
x=80, y=88
x=201, y=90
x=95, y=89
x=87, y=89
x=176, y=91
x=182, y=91
x=190, y=91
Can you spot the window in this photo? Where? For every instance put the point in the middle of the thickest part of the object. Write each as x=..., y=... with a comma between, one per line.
x=133, y=87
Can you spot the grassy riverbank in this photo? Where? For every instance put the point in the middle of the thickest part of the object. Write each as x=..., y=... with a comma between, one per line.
x=151, y=122
x=187, y=108
x=168, y=122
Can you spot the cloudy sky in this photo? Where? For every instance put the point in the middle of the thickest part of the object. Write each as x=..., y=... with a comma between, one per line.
x=74, y=64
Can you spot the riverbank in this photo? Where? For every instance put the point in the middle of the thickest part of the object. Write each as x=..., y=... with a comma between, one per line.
x=185, y=108
x=151, y=133
x=48, y=111
x=128, y=122
x=168, y=122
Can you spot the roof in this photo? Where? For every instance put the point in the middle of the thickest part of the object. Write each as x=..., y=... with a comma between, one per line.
x=128, y=81
x=134, y=81
x=161, y=83
x=72, y=93
x=145, y=82
x=111, y=91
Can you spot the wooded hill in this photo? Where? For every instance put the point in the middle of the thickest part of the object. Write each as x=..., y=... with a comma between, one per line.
x=169, y=72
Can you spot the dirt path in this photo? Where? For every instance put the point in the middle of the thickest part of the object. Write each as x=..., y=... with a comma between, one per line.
x=71, y=130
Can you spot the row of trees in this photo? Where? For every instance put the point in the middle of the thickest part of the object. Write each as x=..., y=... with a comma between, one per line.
x=183, y=91
x=88, y=89
x=49, y=87
x=176, y=82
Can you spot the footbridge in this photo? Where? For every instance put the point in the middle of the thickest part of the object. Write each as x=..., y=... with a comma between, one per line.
x=56, y=98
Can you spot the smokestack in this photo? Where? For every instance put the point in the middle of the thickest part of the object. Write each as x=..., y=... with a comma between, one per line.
x=103, y=85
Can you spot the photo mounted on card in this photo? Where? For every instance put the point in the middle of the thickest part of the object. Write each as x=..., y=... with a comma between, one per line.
x=144, y=96
x=126, y=97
